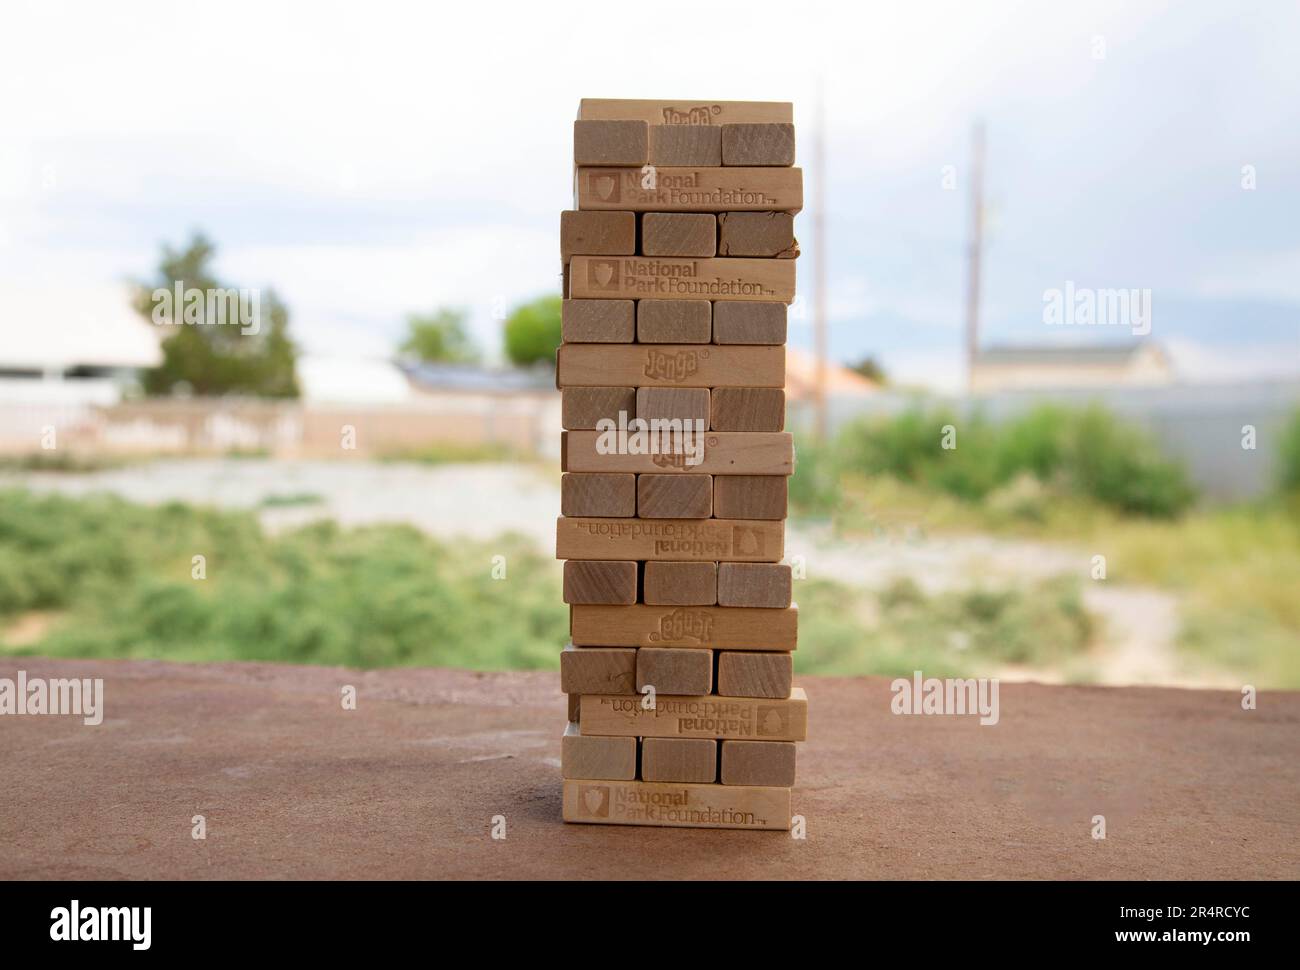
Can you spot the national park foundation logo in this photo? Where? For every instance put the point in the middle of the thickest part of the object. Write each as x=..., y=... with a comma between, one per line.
x=602, y=274
x=604, y=186
x=593, y=801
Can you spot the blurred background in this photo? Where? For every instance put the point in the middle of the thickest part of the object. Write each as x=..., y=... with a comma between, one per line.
x=1062, y=239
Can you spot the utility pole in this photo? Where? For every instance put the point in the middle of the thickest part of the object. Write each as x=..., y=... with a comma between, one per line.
x=975, y=251
x=819, y=263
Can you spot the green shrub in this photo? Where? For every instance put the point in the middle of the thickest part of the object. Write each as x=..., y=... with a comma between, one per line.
x=1288, y=456
x=532, y=331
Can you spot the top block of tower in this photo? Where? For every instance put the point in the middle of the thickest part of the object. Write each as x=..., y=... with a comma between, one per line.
x=686, y=112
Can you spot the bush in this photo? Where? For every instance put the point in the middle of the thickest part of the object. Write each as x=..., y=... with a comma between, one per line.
x=533, y=331
x=1288, y=456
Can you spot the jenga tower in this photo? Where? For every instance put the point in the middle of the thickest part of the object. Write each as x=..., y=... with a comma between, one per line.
x=679, y=264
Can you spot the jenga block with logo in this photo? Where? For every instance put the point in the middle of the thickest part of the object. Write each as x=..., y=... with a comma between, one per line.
x=748, y=409
x=669, y=365
x=597, y=233
x=674, y=321
x=680, y=278
x=679, y=759
x=598, y=321
x=747, y=496
x=680, y=583
x=765, y=585
x=723, y=628
x=764, y=234
x=607, y=581
x=687, y=113
x=674, y=670
x=690, y=189
x=673, y=404
x=679, y=234
x=596, y=758
x=676, y=805
x=714, y=453
x=674, y=540
x=597, y=670
x=581, y=408
x=758, y=144
x=758, y=763
x=748, y=673
x=710, y=716
x=611, y=142
x=749, y=323
x=605, y=496
x=676, y=145
x=674, y=496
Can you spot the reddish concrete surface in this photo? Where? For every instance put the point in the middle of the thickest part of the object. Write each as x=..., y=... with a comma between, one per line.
x=406, y=786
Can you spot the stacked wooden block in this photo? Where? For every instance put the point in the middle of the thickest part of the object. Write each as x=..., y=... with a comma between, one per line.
x=679, y=265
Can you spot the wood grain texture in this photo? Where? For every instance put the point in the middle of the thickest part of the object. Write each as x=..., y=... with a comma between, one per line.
x=597, y=670
x=679, y=583
x=597, y=233
x=690, y=189
x=678, y=233
x=709, y=716
x=749, y=323
x=604, y=581
x=767, y=235
x=593, y=758
x=758, y=584
x=611, y=142
x=729, y=453
x=669, y=365
x=667, y=403
x=674, y=496
x=749, y=673
x=598, y=496
x=721, y=278
x=673, y=540
x=598, y=321
x=674, y=321
x=686, y=145
x=749, y=496
x=691, y=760
x=763, y=143
x=674, y=670
x=747, y=409
x=697, y=627
x=676, y=805
x=582, y=407
x=697, y=112
x=758, y=763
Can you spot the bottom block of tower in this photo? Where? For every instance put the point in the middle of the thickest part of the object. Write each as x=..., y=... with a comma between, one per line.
x=677, y=805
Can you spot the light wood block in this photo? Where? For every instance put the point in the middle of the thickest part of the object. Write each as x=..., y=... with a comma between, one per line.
x=690, y=189
x=582, y=407
x=759, y=584
x=758, y=144
x=674, y=670
x=689, y=145
x=676, y=805
x=593, y=758
x=678, y=234
x=758, y=454
x=674, y=321
x=674, y=496
x=673, y=403
x=704, y=627
x=598, y=321
x=598, y=496
x=679, y=278
x=597, y=670
x=604, y=581
x=673, y=540
x=712, y=716
x=758, y=763
x=611, y=142
x=749, y=673
x=597, y=233
x=764, y=234
x=680, y=584
x=691, y=760
x=658, y=112
x=749, y=323
x=748, y=409
x=669, y=365
x=747, y=496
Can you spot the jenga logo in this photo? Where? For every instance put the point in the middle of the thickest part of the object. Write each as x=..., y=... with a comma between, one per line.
x=604, y=185
x=701, y=114
x=671, y=367
x=746, y=541
x=603, y=274
x=594, y=800
x=771, y=721
x=670, y=459
x=681, y=625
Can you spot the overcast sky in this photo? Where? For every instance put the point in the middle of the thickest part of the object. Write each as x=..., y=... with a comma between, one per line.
x=372, y=159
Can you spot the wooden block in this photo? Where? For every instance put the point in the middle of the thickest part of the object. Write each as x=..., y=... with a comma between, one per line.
x=564, y=280
x=594, y=758
x=749, y=673
x=685, y=112
x=680, y=584
x=767, y=234
x=674, y=321
x=675, y=670
x=597, y=670
x=723, y=628
x=668, y=365
x=692, y=760
x=673, y=540
x=582, y=407
x=673, y=403
x=678, y=234
x=598, y=321
x=743, y=453
x=607, y=581
x=713, y=716
x=611, y=496
x=758, y=144
x=759, y=584
x=611, y=142
x=690, y=189
x=747, y=409
x=758, y=763
x=748, y=496
x=678, y=278
x=674, y=496
x=676, y=805
x=689, y=145
x=597, y=233
x=749, y=323
x=575, y=706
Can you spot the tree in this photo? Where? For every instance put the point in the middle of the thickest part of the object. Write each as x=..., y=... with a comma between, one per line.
x=871, y=369
x=439, y=337
x=221, y=340
x=533, y=331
